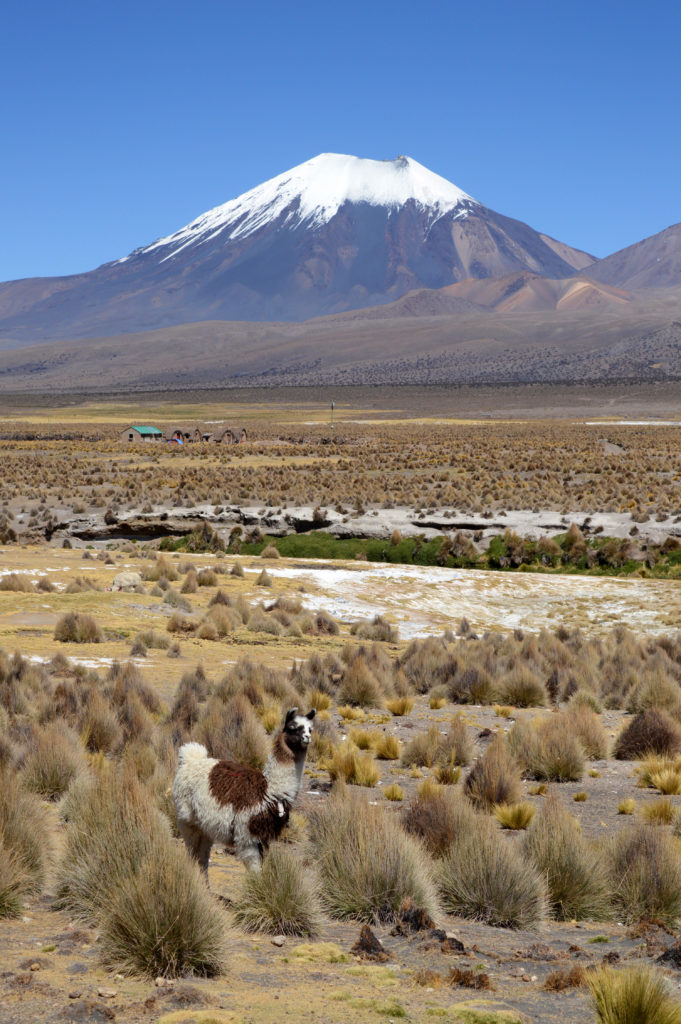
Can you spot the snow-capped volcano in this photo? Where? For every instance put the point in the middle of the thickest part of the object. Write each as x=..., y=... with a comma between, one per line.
x=312, y=193
x=335, y=233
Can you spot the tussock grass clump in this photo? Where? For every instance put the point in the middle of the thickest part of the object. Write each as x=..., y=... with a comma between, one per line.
x=350, y=713
x=13, y=883
x=17, y=582
x=233, y=730
x=207, y=578
x=436, y=815
x=485, y=878
x=367, y=865
x=586, y=726
x=55, y=757
x=393, y=792
x=668, y=781
x=270, y=552
x=153, y=640
x=514, y=816
x=547, y=750
x=627, y=806
x=523, y=689
x=388, y=748
x=632, y=995
x=264, y=579
x=659, y=812
x=494, y=778
x=78, y=628
x=644, y=867
x=433, y=747
x=576, y=877
x=161, y=920
x=652, y=731
x=377, y=628
x=122, y=869
x=280, y=899
x=360, y=686
x=24, y=837
x=190, y=584
x=352, y=766
x=399, y=706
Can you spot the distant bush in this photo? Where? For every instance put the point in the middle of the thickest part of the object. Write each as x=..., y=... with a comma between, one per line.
x=436, y=817
x=17, y=582
x=77, y=628
x=54, y=758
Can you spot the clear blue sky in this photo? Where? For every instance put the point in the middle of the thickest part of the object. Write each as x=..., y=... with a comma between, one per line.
x=121, y=121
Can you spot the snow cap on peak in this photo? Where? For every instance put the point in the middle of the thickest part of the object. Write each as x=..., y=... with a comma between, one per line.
x=314, y=191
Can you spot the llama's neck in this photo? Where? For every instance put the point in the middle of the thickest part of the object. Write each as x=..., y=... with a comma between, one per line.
x=284, y=771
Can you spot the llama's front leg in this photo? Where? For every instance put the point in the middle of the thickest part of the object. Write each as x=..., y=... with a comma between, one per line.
x=251, y=855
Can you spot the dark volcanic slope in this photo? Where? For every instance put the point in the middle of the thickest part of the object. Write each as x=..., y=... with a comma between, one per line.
x=286, y=251
x=653, y=263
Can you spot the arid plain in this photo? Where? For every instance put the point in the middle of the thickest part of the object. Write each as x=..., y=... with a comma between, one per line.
x=477, y=589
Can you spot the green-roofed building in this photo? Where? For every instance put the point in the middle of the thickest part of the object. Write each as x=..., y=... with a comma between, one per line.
x=142, y=434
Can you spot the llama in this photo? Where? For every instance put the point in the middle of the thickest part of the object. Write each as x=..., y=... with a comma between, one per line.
x=225, y=802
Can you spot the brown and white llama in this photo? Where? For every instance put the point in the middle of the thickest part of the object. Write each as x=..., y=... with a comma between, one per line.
x=225, y=802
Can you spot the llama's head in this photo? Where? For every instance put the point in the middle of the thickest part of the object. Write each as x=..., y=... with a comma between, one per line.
x=298, y=729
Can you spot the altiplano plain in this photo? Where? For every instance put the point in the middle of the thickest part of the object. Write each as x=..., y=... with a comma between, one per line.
x=495, y=653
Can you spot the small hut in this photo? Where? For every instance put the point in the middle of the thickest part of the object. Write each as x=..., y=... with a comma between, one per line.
x=141, y=434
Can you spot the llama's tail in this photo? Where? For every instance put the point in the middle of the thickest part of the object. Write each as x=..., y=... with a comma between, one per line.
x=189, y=752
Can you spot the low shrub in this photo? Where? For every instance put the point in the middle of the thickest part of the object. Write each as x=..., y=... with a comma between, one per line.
x=270, y=552
x=77, y=628
x=523, y=689
x=367, y=865
x=575, y=875
x=279, y=900
x=393, y=792
x=360, y=686
x=632, y=995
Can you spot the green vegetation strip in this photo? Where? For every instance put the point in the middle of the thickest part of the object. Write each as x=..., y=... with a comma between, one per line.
x=564, y=553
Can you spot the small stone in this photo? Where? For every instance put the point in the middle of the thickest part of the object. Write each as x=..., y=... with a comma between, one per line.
x=278, y=940
x=526, y=978
x=106, y=993
x=160, y=983
x=119, y=977
x=75, y=994
x=34, y=967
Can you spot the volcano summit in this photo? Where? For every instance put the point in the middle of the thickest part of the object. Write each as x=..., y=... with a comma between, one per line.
x=336, y=233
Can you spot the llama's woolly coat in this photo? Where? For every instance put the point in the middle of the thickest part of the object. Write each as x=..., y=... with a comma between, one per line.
x=229, y=803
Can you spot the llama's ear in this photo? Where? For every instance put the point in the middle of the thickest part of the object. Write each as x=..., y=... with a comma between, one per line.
x=311, y=714
x=290, y=714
